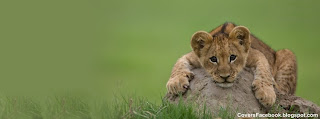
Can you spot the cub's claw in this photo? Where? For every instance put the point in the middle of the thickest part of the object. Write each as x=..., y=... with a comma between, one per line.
x=186, y=86
x=264, y=92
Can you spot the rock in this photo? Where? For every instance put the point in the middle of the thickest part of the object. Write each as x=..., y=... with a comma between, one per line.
x=291, y=103
x=239, y=98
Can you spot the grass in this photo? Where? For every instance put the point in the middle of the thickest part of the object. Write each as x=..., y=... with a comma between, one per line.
x=50, y=108
x=73, y=107
x=122, y=107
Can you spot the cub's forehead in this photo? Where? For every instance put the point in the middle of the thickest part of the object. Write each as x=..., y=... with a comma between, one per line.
x=220, y=45
x=221, y=41
x=219, y=50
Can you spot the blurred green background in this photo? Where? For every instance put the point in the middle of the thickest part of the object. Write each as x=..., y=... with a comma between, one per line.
x=107, y=47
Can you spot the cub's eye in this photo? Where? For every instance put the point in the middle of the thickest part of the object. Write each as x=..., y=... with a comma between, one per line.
x=213, y=59
x=232, y=57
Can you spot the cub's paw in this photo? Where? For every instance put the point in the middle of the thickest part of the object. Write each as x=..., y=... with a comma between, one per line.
x=179, y=83
x=264, y=92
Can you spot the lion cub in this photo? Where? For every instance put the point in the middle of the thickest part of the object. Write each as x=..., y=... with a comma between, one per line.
x=225, y=51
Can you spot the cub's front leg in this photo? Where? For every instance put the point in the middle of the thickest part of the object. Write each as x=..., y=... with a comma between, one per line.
x=263, y=79
x=181, y=74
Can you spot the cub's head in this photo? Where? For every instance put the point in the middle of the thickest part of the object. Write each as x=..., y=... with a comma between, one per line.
x=222, y=55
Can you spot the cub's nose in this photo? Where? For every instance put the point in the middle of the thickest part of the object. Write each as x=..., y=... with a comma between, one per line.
x=225, y=77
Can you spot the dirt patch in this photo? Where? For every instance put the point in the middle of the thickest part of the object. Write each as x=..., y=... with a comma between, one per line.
x=240, y=97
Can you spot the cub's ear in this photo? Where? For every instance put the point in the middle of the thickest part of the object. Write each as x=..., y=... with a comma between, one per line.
x=200, y=40
x=242, y=36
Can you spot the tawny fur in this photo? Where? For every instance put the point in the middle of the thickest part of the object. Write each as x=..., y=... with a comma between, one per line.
x=271, y=69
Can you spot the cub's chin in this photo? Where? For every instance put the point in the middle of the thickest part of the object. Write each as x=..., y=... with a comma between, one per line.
x=225, y=85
